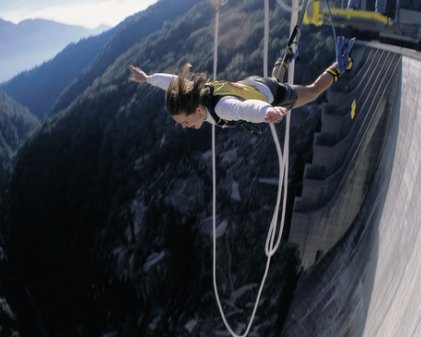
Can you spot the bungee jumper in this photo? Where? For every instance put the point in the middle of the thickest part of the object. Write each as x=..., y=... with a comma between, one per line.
x=192, y=99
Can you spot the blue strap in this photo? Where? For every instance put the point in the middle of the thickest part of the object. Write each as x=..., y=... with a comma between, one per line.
x=342, y=55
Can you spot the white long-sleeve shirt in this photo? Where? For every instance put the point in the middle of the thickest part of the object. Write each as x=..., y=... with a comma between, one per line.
x=228, y=107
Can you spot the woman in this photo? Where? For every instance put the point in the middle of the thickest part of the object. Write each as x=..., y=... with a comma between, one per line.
x=192, y=100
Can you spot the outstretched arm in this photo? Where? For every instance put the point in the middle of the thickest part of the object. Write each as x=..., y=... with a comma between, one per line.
x=160, y=80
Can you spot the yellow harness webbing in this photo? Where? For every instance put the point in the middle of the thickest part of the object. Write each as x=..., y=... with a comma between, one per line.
x=241, y=90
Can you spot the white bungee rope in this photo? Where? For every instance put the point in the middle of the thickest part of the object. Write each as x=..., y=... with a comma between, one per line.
x=275, y=232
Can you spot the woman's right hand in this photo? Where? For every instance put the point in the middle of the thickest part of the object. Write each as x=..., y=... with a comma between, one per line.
x=137, y=74
x=275, y=114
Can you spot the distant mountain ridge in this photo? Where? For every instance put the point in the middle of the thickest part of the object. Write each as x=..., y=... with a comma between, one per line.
x=39, y=88
x=31, y=42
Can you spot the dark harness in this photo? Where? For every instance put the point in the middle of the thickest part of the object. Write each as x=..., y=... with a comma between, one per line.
x=210, y=100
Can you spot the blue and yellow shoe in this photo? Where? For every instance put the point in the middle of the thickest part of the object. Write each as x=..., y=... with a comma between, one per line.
x=343, y=58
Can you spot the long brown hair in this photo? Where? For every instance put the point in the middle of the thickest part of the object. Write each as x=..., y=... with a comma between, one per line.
x=185, y=92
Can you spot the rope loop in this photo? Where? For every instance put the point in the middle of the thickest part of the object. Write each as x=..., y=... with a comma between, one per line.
x=275, y=231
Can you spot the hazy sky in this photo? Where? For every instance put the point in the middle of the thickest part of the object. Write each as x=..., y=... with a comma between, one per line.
x=88, y=13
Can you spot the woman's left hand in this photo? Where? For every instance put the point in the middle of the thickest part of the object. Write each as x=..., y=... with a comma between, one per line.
x=137, y=74
x=275, y=114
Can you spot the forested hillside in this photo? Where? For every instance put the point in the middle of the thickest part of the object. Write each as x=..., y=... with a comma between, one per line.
x=115, y=239
x=15, y=123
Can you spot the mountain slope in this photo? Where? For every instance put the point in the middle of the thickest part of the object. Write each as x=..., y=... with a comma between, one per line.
x=15, y=124
x=31, y=42
x=39, y=88
x=131, y=31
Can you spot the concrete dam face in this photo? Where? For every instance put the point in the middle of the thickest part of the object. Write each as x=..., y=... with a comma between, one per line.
x=357, y=222
x=394, y=309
